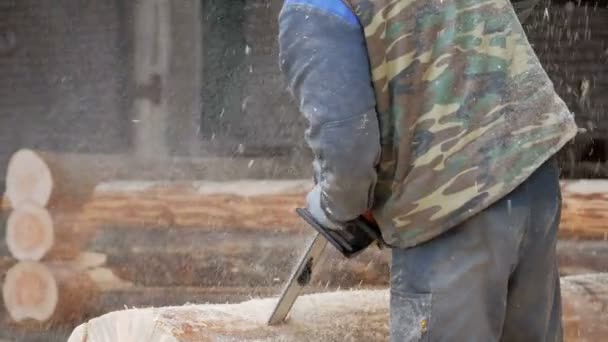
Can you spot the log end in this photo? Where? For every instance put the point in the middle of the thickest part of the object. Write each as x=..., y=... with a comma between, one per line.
x=29, y=232
x=28, y=178
x=30, y=292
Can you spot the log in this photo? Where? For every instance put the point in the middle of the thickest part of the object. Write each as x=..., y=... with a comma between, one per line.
x=43, y=178
x=335, y=316
x=242, y=205
x=582, y=257
x=78, y=292
x=192, y=257
x=69, y=238
x=158, y=257
x=29, y=232
x=269, y=205
x=584, y=210
x=53, y=293
x=30, y=292
x=28, y=178
x=78, y=173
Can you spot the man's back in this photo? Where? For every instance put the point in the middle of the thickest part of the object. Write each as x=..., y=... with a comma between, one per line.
x=467, y=111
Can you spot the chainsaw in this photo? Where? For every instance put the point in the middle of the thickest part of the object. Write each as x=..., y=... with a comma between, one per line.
x=351, y=240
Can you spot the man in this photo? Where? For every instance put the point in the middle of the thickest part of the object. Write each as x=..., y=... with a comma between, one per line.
x=437, y=117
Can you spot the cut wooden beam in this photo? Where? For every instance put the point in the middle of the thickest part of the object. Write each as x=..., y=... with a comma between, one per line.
x=70, y=236
x=30, y=292
x=53, y=294
x=582, y=257
x=243, y=204
x=29, y=231
x=43, y=178
x=192, y=257
x=585, y=210
x=269, y=205
x=157, y=257
x=95, y=291
x=84, y=169
x=28, y=179
x=236, y=205
x=337, y=316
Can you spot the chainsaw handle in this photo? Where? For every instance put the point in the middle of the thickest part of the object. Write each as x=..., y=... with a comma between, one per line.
x=353, y=238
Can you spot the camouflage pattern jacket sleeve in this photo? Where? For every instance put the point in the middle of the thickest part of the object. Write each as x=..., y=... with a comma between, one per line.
x=325, y=62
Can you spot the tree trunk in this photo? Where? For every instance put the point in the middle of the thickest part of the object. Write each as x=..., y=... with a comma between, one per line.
x=269, y=205
x=29, y=232
x=40, y=296
x=198, y=258
x=28, y=179
x=45, y=178
x=252, y=205
x=337, y=316
x=30, y=292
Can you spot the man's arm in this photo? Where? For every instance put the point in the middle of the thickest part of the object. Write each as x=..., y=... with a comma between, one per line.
x=324, y=59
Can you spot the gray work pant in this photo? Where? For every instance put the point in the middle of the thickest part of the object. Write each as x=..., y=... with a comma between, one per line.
x=493, y=278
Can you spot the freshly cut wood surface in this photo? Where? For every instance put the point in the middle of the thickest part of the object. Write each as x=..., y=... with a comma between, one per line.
x=46, y=179
x=584, y=209
x=92, y=184
x=53, y=294
x=252, y=205
x=335, y=316
x=269, y=205
x=29, y=231
x=28, y=179
x=585, y=307
x=70, y=235
x=30, y=292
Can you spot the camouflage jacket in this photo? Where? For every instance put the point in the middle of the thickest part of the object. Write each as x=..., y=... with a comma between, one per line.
x=462, y=111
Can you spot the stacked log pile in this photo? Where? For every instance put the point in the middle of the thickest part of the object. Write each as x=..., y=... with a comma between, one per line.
x=115, y=244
